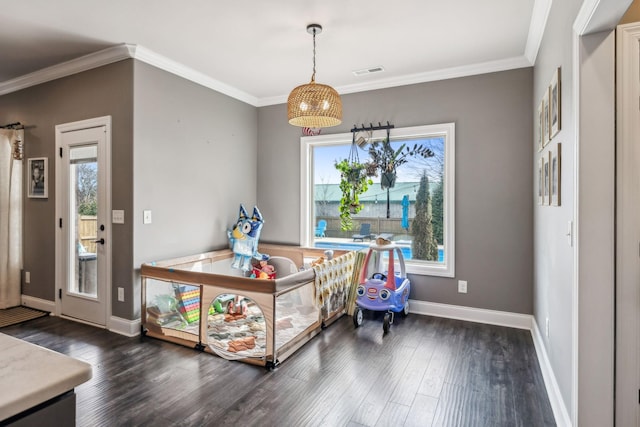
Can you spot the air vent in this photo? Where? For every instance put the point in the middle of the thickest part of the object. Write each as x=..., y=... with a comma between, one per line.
x=368, y=71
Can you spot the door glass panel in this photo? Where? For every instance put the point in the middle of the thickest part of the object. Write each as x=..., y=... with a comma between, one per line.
x=83, y=227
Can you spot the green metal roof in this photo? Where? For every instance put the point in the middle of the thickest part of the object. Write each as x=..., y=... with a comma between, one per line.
x=332, y=193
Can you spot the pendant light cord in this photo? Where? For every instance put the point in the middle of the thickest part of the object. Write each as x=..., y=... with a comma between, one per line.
x=313, y=76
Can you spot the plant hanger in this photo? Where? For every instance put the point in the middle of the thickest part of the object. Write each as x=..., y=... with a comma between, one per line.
x=353, y=153
x=371, y=127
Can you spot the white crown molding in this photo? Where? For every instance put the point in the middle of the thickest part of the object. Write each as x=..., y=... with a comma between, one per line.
x=551, y=384
x=539, y=16
x=38, y=303
x=599, y=15
x=145, y=55
x=127, y=51
x=471, y=314
x=84, y=63
x=586, y=12
x=429, y=76
x=119, y=53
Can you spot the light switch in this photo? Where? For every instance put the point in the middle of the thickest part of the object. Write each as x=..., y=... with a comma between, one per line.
x=146, y=217
x=117, y=216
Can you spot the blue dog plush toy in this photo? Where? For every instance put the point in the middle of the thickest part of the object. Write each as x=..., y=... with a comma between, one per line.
x=243, y=239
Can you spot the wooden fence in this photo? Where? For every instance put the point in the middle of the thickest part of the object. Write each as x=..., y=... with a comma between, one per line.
x=88, y=232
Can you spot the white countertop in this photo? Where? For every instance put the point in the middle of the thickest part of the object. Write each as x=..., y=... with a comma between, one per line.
x=30, y=375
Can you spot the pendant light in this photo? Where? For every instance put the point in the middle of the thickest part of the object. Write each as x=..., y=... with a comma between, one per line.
x=314, y=105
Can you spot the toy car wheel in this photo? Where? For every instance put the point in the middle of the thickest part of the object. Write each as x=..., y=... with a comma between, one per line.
x=386, y=324
x=357, y=317
x=405, y=310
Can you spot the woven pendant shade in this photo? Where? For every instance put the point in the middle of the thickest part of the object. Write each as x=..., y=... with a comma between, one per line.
x=314, y=105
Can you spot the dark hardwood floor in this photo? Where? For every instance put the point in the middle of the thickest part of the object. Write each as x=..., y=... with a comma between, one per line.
x=427, y=371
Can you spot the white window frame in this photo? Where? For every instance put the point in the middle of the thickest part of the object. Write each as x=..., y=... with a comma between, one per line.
x=427, y=268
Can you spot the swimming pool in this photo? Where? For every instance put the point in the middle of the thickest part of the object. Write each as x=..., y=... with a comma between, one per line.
x=348, y=246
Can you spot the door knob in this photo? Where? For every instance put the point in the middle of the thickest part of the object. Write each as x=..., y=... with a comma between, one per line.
x=101, y=241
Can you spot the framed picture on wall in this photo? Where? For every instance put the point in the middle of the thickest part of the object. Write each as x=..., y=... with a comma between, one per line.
x=37, y=183
x=555, y=167
x=540, y=181
x=540, y=126
x=554, y=107
x=545, y=177
x=545, y=119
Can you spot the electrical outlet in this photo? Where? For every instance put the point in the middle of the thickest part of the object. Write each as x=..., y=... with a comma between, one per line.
x=121, y=294
x=27, y=277
x=546, y=328
x=462, y=286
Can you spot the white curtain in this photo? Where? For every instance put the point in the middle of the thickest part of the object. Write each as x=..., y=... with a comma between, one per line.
x=10, y=216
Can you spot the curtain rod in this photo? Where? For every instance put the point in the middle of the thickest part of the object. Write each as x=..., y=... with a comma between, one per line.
x=16, y=125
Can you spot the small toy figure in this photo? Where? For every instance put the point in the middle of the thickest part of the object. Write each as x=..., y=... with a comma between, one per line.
x=263, y=271
x=267, y=268
x=243, y=239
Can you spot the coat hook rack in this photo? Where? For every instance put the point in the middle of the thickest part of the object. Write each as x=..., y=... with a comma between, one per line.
x=16, y=125
x=371, y=127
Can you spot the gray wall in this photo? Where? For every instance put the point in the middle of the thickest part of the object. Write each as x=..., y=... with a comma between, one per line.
x=194, y=159
x=494, y=187
x=99, y=92
x=194, y=163
x=596, y=230
x=553, y=256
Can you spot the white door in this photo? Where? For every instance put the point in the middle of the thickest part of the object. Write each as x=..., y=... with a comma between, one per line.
x=83, y=227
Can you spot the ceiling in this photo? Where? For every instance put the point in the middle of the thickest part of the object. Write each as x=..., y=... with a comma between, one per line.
x=258, y=51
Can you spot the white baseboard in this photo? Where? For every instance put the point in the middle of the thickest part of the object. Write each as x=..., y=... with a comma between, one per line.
x=553, y=391
x=480, y=315
x=39, y=304
x=129, y=328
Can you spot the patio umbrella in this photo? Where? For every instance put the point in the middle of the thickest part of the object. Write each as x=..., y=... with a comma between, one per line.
x=405, y=212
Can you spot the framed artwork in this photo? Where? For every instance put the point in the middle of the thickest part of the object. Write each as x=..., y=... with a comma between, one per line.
x=540, y=126
x=37, y=184
x=555, y=166
x=540, y=181
x=554, y=107
x=545, y=178
x=545, y=119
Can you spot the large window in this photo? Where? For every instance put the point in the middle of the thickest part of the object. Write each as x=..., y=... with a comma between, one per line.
x=414, y=207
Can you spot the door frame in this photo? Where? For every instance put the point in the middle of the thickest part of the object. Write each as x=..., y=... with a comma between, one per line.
x=628, y=226
x=104, y=121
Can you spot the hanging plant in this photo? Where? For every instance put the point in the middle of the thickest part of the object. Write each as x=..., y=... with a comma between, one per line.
x=388, y=180
x=387, y=160
x=354, y=181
